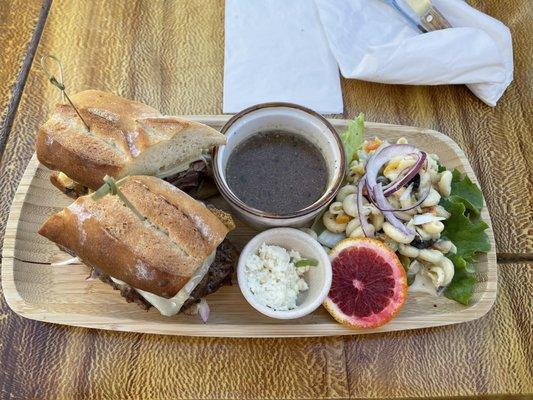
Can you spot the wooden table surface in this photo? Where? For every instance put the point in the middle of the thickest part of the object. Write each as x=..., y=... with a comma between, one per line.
x=170, y=55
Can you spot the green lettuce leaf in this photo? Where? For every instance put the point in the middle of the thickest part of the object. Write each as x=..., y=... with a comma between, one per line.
x=467, y=192
x=462, y=286
x=352, y=138
x=466, y=234
x=464, y=280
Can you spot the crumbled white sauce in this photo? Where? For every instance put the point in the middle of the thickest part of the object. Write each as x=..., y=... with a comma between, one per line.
x=274, y=279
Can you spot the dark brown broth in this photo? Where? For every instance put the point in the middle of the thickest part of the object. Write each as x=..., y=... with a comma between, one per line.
x=277, y=172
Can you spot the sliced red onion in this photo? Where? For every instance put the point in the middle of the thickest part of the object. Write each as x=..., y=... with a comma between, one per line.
x=203, y=310
x=384, y=155
x=415, y=169
x=368, y=229
x=383, y=205
x=388, y=207
x=422, y=219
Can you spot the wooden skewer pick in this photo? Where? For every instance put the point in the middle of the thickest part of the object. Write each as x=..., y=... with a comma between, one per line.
x=111, y=187
x=59, y=84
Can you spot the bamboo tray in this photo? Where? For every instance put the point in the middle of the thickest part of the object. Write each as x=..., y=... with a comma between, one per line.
x=61, y=294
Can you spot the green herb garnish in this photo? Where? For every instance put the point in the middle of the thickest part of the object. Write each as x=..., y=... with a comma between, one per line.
x=352, y=139
x=306, y=262
x=465, y=191
x=467, y=233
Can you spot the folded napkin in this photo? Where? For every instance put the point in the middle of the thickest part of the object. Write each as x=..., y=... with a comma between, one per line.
x=276, y=50
x=371, y=41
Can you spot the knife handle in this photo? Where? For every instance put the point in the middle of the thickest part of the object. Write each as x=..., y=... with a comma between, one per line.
x=433, y=20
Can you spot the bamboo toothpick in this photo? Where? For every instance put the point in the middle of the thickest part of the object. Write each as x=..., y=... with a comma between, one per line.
x=111, y=187
x=59, y=84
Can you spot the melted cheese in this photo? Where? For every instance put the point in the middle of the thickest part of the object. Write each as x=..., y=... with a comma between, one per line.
x=176, y=169
x=170, y=307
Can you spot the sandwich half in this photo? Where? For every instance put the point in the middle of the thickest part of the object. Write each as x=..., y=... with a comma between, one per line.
x=173, y=257
x=125, y=138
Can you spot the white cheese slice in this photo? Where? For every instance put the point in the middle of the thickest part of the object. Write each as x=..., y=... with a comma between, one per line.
x=170, y=307
x=176, y=169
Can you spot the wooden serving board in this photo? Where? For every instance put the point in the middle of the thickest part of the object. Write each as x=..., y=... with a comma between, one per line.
x=62, y=294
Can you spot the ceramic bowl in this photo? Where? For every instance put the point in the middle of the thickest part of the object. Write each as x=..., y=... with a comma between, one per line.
x=295, y=119
x=318, y=278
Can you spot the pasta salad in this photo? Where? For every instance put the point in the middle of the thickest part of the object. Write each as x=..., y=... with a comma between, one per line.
x=406, y=198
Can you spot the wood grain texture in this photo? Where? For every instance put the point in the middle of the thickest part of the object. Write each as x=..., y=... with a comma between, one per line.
x=171, y=55
x=39, y=291
x=18, y=20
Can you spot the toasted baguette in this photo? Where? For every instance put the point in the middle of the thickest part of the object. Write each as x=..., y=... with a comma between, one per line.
x=125, y=138
x=157, y=255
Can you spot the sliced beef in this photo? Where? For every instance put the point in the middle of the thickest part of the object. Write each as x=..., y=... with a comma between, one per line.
x=196, y=181
x=126, y=291
x=218, y=275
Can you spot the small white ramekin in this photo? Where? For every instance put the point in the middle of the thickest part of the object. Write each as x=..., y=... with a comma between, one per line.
x=318, y=278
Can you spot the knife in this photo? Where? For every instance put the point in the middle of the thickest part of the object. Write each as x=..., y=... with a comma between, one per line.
x=430, y=18
x=407, y=13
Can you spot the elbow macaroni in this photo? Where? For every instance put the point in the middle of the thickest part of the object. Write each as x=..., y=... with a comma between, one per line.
x=428, y=253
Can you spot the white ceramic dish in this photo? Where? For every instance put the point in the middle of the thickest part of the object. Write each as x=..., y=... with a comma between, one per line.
x=318, y=278
x=295, y=119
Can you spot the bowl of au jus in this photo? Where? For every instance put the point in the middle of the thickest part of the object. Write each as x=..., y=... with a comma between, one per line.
x=282, y=164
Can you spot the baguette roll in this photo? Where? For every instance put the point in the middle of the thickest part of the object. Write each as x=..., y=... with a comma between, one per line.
x=157, y=255
x=125, y=138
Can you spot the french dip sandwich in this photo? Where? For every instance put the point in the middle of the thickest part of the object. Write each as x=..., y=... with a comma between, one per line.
x=172, y=257
x=125, y=138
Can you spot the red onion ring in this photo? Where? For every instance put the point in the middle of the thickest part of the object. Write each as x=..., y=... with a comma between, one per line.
x=421, y=199
x=388, y=214
x=415, y=169
x=381, y=157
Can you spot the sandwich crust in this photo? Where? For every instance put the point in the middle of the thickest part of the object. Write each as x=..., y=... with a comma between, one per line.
x=121, y=132
x=158, y=254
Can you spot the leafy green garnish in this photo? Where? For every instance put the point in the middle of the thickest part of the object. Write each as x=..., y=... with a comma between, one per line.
x=306, y=262
x=464, y=280
x=352, y=139
x=460, y=263
x=440, y=167
x=467, y=233
x=462, y=287
x=467, y=192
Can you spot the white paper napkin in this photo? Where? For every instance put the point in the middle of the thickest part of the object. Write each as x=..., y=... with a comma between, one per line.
x=373, y=42
x=276, y=50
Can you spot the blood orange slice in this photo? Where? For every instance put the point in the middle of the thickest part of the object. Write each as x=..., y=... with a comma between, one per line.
x=369, y=283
